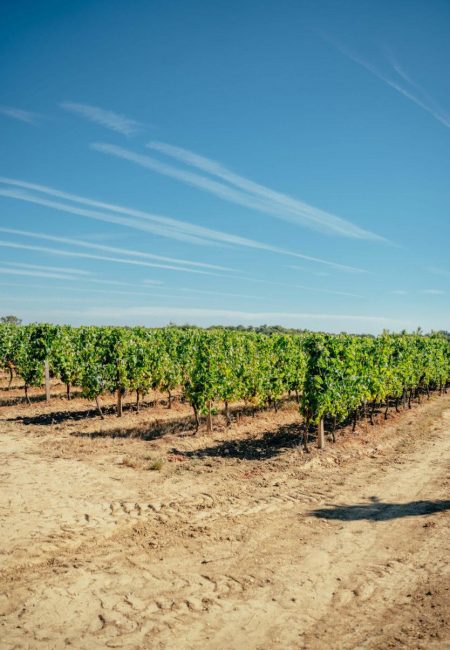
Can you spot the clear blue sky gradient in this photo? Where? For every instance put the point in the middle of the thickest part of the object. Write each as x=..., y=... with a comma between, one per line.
x=233, y=138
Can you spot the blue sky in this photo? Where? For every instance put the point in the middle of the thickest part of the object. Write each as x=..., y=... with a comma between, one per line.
x=226, y=162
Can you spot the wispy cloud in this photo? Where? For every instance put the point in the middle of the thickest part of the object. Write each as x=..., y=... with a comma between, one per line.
x=222, y=293
x=149, y=222
x=408, y=79
x=302, y=287
x=35, y=273
x=119, y=283
x=56, y=269
x=110, y=120
x=412, y=90
x=149, y=225
x=112, y=249
x=85, y=289
x=104, y=258
x=19, y=114
x=267, y=282
x=438, y=271
x=181, y=314
x=276, y=203
x=66, y=273
x=295, y=267
x=329, y=291
x=52, y=298
x=429, y=292
x=238, y=190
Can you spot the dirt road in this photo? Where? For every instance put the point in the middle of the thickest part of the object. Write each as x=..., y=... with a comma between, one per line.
x=234, y=543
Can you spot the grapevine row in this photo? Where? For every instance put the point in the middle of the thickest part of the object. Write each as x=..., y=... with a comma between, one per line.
x=334, y=377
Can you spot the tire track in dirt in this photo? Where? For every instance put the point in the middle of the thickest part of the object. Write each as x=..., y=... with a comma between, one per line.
x=214, y=565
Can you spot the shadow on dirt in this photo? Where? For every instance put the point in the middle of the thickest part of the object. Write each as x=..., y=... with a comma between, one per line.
x=19, y=399
x=269, y=445
x=147, y=431
x=178, y=425
x=379, y=511
x=34, y=399
x=185, y=424
x=91, y=412
x=58, y=417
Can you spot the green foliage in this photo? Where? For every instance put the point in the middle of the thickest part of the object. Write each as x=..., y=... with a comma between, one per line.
x=10, y=336
x=26, y=348
x=344, y=372
x=334, y=374
x=64, y=355
x=29, y=355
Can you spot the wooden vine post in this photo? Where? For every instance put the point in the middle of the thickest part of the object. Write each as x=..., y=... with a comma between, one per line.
x=47, y=380
x=209, y=425
x=119, y=395
x=321, y=434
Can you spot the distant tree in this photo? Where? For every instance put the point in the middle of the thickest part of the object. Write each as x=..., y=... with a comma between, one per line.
x=11, y=320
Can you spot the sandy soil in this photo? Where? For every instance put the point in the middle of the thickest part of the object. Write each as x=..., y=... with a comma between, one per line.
x=233, y=540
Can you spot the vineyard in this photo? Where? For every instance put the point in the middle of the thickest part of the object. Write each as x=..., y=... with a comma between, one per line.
x=334, y=378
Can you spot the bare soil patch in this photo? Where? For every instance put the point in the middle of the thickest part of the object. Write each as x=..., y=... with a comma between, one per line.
x=135, y=533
